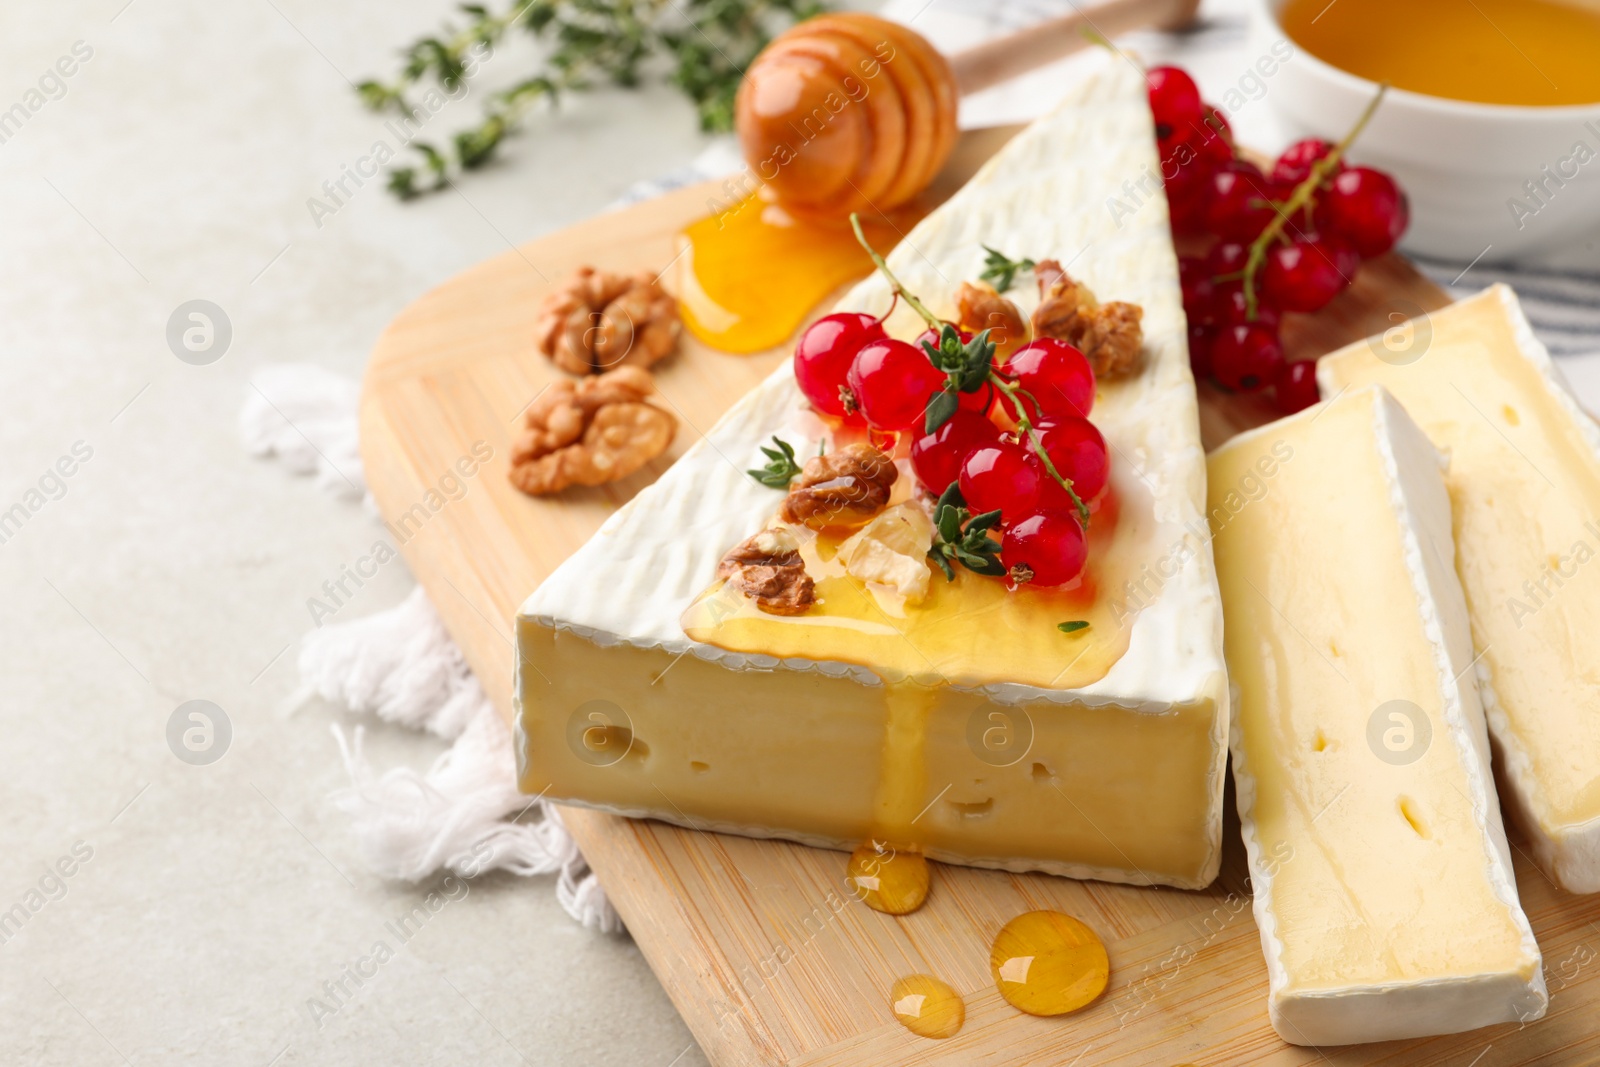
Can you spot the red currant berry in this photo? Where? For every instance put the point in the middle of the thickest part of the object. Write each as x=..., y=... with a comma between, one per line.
x=1194, y=275
x=1229, y=307
x=1183, y=171
x=1215, y=136
x=1045, y=548
x=822, y=356
x=1366, y=209
x=1305, y=275
x=1055, y=374
x=1297, y=386
x=937, y=457
x=1187, y=210
x=1004, y=476
x=1201, y=338
x=1174, y=99
x=1246, y=356
x=1079, y=453
x=1294, y=166
x=1241, y=202
x=892, y=381
x=1227, y=257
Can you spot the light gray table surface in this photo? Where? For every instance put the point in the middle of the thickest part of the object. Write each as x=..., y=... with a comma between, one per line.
x=208, y=905
x=175, y=164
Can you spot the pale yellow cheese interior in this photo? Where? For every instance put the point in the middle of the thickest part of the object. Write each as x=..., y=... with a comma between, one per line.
x=1525, y=488
x=1104, y=791
x=1376, y=870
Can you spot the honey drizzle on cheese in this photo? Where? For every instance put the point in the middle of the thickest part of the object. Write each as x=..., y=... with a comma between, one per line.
x=973, y=631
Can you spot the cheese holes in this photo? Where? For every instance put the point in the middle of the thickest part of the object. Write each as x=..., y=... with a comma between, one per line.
x=1412, y=813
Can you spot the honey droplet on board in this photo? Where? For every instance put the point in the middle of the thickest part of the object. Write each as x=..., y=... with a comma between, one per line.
x=927, y=1006
x=893, y=881
x=1047, y=963
x=752, y=273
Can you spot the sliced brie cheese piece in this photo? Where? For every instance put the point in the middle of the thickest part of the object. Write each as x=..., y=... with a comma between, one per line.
x=968, y=725
x=1524, y=478
x=1383, y=883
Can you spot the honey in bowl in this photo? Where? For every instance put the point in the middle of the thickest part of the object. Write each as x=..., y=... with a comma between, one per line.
x=1535, y=53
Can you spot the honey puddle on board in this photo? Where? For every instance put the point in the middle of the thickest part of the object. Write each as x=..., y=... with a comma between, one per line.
x=751, y=274
x=1047, y=963
x=1528, y=52
x=927, y=1006
x=893, y=880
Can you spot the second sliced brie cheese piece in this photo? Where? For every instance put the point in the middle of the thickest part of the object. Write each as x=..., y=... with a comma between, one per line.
x=1524, y=479
x=1383, y=884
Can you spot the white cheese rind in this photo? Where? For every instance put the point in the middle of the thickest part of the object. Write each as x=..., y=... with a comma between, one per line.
x=1570, y=853
x=630, y=583
x=1385, y=1011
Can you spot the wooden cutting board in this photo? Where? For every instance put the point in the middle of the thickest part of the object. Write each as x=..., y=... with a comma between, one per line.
x=759, y=943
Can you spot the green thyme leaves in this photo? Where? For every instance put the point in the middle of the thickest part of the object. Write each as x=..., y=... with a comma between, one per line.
x=701, y=46
x=1001, y=271
x=966, y=366
x=962, y=537
x=781, y=465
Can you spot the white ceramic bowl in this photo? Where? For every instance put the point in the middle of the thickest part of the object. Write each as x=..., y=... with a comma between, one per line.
x=1465, y=166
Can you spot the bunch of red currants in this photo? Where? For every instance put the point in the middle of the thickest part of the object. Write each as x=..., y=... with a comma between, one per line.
x=1288, y=241
x=995, y=445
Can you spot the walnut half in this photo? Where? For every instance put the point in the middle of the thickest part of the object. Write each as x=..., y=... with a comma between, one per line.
x=845, y=487
x=589, y=432
x=597, y=320
x=981, y=307
x=1110, y=335
x=768, y=569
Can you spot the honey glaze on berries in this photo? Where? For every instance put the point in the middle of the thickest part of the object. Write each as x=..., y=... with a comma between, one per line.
x=750, y=275
x=974, y=630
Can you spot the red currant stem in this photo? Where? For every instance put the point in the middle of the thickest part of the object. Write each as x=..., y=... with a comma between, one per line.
x=894, y=283
x=1030, y=398
x=894, y=299
x=1021, y=415
x=1301, y=199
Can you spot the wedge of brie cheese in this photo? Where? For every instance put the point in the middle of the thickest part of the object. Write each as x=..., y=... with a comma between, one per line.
x=1383, y=884
x=956, y=717
x=1524, y=478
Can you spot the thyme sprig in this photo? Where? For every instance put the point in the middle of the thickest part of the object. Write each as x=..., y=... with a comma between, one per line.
x=962, y=537
x=703, y=46
x=968, y=367
x=1001, y=271
x=781, y=466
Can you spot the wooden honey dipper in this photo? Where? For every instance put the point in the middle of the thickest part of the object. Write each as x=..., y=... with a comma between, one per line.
x=851, y=112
